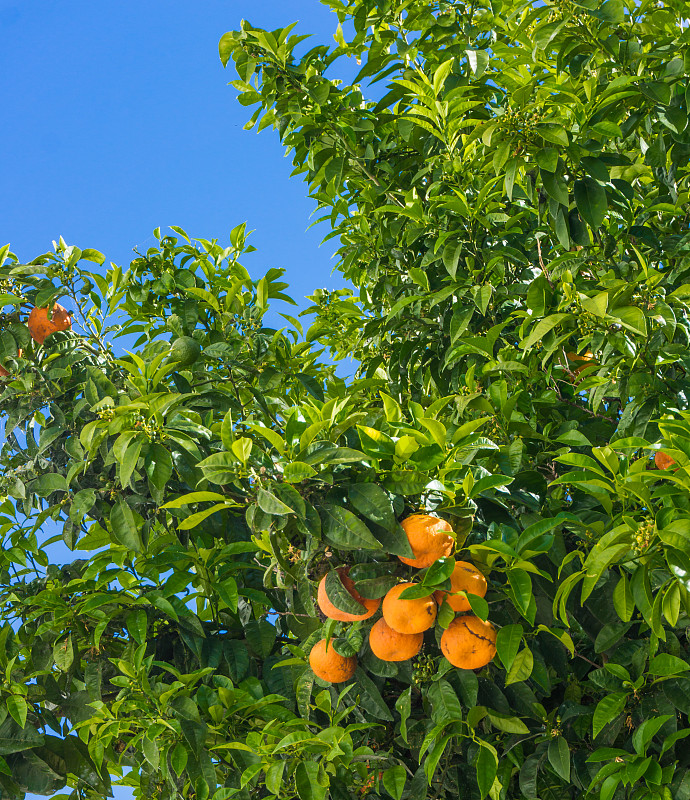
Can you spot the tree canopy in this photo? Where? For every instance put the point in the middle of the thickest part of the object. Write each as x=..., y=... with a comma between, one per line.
x=507, y=184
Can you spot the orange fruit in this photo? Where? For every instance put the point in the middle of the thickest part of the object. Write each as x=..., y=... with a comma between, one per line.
x=3, y=372
x=389, y=645
x=408, y=616
x=587, y=357
x=429, y=539
x=465, y=576
x=40, y=326
x=329, y=665
x=469, y=642
x=335, y=613
x=663, y=461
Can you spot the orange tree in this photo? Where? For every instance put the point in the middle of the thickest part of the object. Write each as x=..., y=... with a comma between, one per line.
x=510, y=198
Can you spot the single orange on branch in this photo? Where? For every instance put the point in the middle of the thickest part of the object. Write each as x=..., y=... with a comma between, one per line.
x=389, y=645
x=42, y=322
x=413, y=615
x=329, y=665
x=469, y=642
x=369, y=606
x=663, y=460
x=429, y=537
x=465, y=577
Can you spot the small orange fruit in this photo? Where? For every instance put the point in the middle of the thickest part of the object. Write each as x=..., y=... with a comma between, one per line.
x=40, y=326
x=389, y=645
x=465, y=577
x=329, y=665
x=335, y=613
x=3, y=372
x=469, y=642
x=663, y=461
x=429, y=539
x=408, y=616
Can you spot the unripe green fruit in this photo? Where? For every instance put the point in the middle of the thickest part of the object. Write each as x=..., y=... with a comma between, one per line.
x=185, y=351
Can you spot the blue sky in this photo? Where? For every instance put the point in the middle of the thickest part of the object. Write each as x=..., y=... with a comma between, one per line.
x=117, y=118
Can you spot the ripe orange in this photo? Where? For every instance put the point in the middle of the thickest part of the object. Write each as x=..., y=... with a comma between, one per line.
x=465, y=576
x=408, y=616
x=587, y=357
x=335, y=613
x=663, y=461
x=468, y=642
x=429, y=539
x=3, y=372
x=329, y=665
x=40, y=326
x=389, y=645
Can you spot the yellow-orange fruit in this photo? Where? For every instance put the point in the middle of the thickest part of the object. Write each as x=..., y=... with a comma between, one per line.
x=465, y=577
x=335, y=613
x=329, y=665
x=663, y=461
x=41, y=326
x=408, y=616
x=429, y=539
x=3, y=372
x=389, y=645
x=587, y=357
x=469, y=642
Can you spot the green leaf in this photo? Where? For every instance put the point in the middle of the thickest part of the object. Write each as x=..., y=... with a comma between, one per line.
x=559, y=757
x=403, y=705
x=373, y=502
x=623, y=600
x=608, y=708
x=63, y=653
x=590, y=198
x=18, y=708
x=521, y=668
x=371, y=697
x=309, y=781
x=665, y=664
x=344, y=530
x=340, y=597
x=487, y=767
x=242, y=448
x=297, y=471
x=124, y=526
x=270, y=504
x=507, y=723
x=394, y=779
x=445, y=706
x=508, y=641
x=49, y=483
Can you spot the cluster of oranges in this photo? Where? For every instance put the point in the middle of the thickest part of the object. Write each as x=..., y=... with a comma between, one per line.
x=41, y=325
x=468, y=642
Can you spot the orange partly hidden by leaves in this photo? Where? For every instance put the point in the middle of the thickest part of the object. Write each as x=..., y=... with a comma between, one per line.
x=41, y=326
x=408, y=616
x=469, y=642
x=3, y=372
x=587, y=357
x=389, y=645
x=663, y=461
x=329, y=665
x=335, y=613
x=465, y=577
x=429, y=538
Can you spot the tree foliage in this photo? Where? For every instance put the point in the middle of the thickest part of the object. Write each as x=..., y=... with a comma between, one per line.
x=509, y=194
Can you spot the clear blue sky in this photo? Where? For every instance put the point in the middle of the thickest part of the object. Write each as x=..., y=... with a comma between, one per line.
x=117, y=118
